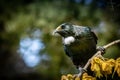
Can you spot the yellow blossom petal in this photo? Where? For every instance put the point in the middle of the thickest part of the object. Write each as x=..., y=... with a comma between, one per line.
x=87, y=77
x=97, y=60
x=77, y=78
x=106, y=68
x=70, y=77
x=64, y=77
x=117, y=66
x=111, y=62
x=95, y=66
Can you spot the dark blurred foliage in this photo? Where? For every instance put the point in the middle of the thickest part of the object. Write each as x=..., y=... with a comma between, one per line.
x=19, y=19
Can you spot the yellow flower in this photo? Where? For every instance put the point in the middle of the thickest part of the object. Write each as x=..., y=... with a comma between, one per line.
x=111, y=61
x=95, y=66
x=100, y=66
x=107, y=66
x=87, y=77
x=70, y=77
x=77, y=78
x=64, y=77
x=117, y=66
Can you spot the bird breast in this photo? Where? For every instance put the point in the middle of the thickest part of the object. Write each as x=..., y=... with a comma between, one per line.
x=81, y=46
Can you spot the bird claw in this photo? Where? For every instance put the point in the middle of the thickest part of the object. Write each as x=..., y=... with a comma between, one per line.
x=102, y=49
x=82, y=70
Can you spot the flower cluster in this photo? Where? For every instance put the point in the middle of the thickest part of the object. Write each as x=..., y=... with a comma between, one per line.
x=72, y=77
x=105, y=66
x=101, y=67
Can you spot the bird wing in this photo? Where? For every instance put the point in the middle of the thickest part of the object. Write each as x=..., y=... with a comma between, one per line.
x=95, y=37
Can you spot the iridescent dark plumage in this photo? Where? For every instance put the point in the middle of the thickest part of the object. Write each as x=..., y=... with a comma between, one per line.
x=79, y=42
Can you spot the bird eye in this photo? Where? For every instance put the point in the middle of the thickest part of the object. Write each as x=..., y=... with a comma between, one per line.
x=63, y=26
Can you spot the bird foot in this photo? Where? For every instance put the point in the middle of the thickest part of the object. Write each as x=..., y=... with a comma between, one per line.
x=82, y=70
x=102, y=49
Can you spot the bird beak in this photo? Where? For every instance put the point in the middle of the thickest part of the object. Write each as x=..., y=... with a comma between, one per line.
x=57, y=30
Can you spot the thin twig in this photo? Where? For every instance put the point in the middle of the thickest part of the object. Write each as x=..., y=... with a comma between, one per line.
x=99, y=52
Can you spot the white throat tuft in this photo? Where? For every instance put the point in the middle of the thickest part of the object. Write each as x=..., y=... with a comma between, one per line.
x=69, y=40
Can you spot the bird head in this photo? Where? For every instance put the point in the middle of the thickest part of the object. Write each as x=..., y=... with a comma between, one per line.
x=65, y=30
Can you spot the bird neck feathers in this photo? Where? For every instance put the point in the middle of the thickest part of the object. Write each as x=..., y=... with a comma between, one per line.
x=69, y=40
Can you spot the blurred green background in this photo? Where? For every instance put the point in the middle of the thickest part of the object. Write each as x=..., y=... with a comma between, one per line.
x=28, y=51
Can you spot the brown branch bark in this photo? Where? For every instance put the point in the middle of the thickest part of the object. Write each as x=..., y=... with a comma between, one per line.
x=99, y=52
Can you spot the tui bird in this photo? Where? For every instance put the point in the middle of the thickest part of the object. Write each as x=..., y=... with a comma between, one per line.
x=79, y=43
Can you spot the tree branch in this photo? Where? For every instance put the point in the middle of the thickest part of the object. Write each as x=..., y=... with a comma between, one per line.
x=99, y=52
